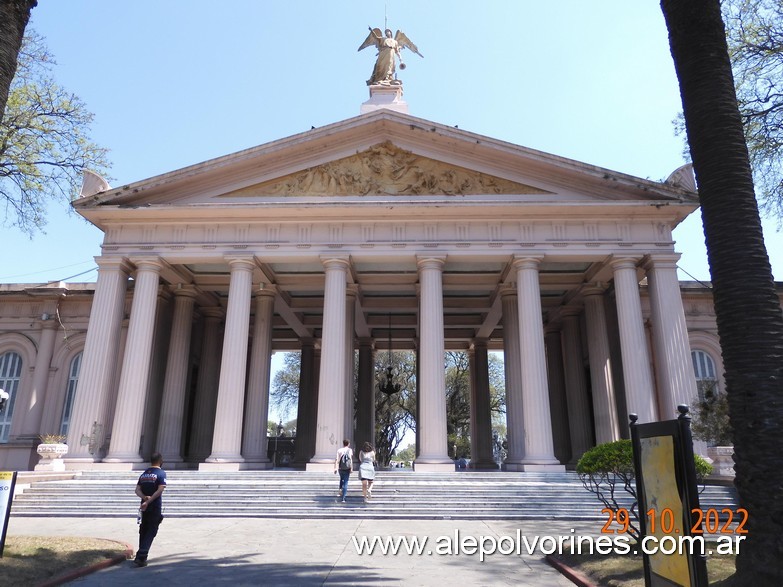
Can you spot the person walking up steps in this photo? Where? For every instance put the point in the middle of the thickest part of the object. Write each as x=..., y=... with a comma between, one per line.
x=343, y=464
x=367, y=469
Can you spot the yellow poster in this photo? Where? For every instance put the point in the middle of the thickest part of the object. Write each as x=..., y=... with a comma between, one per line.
x=663, y=498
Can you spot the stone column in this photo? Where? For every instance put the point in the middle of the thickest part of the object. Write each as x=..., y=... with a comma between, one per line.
x=254, y=438
x=227, y=438
x=306, y=407
x=365, y=405
x=636, y=360
x=515, y=414
x=580, y=425
x=431, y=419
x=88, y=419
x=30, y=419
x=132, y=393
x=539, y=447
x=350, y=325
x=481, y=446
x=172, y=410
x=203, y=423
x=331, y=390
x=557, y=395
x=673, y=366
x=607, y=427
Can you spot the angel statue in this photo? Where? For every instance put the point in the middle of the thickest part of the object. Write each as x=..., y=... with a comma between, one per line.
x=388, y=48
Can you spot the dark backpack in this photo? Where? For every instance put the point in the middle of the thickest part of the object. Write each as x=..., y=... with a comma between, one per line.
x=345, y=461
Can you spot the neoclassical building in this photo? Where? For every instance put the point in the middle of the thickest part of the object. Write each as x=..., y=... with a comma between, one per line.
x=333, y=242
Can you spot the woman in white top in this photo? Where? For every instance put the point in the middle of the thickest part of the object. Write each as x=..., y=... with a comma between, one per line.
x=367, y=469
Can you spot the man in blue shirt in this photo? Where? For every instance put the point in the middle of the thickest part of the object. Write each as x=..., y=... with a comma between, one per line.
x=150, y=487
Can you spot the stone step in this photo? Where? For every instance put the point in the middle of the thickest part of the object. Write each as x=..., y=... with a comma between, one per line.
x=297, y=494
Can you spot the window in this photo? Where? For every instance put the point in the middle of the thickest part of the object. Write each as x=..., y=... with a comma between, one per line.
x=706, y=378
x=70, y=393
x=10, y=373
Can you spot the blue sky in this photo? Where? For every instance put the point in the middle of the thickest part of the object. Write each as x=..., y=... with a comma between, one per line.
x=179, y=82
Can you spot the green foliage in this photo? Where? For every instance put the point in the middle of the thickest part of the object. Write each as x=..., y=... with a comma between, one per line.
x=607, y=470
x=711, y=419
x=44, y=144
x=755, y=38
x=52, y=438
x=406, y=454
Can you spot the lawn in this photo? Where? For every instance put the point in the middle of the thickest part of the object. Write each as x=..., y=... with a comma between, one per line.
x=627, y=570
x=33, y=560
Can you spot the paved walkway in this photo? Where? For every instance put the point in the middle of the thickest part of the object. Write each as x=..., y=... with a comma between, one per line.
x=251, y=551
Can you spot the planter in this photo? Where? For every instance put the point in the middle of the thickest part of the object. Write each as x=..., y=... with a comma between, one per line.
x=722, y=458
x=51, y=457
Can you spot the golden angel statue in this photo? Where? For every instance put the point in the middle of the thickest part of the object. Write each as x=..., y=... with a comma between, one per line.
x=388, y=48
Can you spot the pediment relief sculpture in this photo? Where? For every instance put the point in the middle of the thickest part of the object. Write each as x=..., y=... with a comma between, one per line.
x=386, y=170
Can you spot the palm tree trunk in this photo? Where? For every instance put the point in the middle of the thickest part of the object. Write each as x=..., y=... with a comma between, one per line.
x=750, y=322
x=14, y=15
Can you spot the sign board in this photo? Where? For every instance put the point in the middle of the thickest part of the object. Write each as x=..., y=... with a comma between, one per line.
x=7, y=482
x=668, y=496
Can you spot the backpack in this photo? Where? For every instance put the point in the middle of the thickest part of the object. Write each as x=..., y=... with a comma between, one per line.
x=346, y=461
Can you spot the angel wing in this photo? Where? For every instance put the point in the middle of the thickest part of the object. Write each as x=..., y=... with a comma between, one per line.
x=403, y=41
x=372, y=39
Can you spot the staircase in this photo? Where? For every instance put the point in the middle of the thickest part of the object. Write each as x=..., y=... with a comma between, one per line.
x=299, y=494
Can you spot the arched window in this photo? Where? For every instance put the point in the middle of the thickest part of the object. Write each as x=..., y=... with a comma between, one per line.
x=70, y=393
x=706, y=377
x=10, y=373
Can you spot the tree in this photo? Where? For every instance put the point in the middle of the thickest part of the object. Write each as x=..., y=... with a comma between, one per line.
x=394, y=414
x=14, y=16
x=755, y=40
x=284, y=392
x=44, y=143
x=748, y=313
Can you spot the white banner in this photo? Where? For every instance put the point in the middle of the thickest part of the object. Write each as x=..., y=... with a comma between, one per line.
x=7, y=481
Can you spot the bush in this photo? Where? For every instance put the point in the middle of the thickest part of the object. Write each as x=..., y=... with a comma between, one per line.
x=711, y=419
x=608, y=468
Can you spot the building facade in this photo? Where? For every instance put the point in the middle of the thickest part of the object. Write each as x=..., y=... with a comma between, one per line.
x=384, y=227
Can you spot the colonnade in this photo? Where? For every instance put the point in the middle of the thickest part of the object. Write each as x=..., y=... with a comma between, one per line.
x=555, y=410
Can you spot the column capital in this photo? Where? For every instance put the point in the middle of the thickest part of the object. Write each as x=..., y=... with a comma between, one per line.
x=660, y=261
x=526, y=261
x=148, y=263
x=366, y=342
x=596, y=288
x=240, y=262
x=265, y=291
x=184, y=291
x=508, y=289
x=336, y=262
x=214, y=312
x=624, y=261
x=571, y=311
x=430, y=261
x=118, y=263
x=478, y=343
x=351, y=290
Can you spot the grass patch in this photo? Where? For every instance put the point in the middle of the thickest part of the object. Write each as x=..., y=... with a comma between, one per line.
x=615, y=570
x=32, y=560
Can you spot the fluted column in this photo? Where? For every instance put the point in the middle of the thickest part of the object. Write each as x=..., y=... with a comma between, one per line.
x=172, y=409
x=515, y=413
x=203, y=423
x=227, y=438
x=674, y=369
x=30, y=419
x=431, y=419
x=306, y=406
x=557, y=396
x=539, y=447
x=98, y=362
x=331, y=392
x=365, y=405
x=350, y=323
x=580, y=426
x=481, y=448
x=132, y=393
x=607, y=427
x=640, y=399
x=254, y=438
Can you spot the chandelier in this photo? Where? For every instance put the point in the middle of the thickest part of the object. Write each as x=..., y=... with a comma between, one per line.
x=388, y=386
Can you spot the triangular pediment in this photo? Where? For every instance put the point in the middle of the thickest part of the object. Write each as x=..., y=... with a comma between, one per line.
x=385, y=170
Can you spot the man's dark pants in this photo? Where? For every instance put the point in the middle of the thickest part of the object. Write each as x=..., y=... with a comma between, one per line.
x=150, y=520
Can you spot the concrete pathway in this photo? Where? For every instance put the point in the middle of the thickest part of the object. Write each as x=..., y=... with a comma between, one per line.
x=253, y=551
